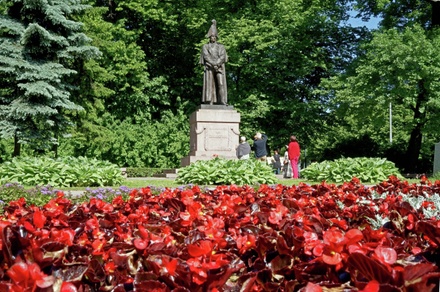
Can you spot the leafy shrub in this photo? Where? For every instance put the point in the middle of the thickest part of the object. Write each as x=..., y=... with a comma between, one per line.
x=220, y=171
x=144, y=144
x=369, y=170
x=62, y=172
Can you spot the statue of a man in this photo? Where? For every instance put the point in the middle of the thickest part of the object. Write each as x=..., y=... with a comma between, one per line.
x=213, y=58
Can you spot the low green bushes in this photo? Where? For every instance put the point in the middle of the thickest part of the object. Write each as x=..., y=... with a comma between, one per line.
x=61, y=172
x=220, y=171
x=367, y=170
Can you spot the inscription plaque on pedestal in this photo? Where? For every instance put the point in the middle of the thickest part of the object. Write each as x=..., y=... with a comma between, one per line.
x=214, y=131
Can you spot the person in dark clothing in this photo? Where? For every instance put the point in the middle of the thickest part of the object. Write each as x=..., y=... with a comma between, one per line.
x=243, y=149
x=260, y=146
x=276, y=162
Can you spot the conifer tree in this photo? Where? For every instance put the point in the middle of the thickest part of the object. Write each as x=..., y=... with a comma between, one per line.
x=40, y=45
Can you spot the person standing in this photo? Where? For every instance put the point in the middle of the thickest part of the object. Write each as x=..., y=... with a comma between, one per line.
x=243, y=149
x=276, y=158
x=294, y=154
x=213, y=58
x=287, y=169
x=260, y=147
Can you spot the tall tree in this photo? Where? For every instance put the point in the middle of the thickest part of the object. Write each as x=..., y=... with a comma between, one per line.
x=123, y=80
x=40, y=45
x=400, y=68
x=400, y=14
x=166, y=32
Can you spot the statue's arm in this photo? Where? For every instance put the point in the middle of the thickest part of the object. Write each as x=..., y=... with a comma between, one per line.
x=208, y=60
x=223, y=57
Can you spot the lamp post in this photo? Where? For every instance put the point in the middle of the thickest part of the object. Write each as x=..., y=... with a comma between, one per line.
x=391, y=125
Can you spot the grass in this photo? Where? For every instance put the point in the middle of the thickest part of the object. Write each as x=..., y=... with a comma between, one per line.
x=171, y=183
x=166, y=182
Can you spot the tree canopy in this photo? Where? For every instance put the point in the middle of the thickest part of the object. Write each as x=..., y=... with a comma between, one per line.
x=39, y=44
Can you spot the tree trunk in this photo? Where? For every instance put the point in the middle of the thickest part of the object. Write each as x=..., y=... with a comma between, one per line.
x=55, y=149
x=17, y=147
x=413, y=150
x=415, y=140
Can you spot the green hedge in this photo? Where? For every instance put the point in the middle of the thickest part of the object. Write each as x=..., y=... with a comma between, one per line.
x=367, y=170
x=142, y=171
x=220, y=171
x=61, y=172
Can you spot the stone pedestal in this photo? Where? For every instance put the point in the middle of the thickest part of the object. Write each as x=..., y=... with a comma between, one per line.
x=436, y=158
x=214, y=130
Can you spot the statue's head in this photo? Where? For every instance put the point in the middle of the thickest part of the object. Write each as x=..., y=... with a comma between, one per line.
x=212, y=38
x=213, y=30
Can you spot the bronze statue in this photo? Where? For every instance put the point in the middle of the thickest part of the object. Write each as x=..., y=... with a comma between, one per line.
x=213, y=58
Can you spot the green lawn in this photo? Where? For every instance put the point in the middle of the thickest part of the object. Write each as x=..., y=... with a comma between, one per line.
x=138, y=183
x=166, y=182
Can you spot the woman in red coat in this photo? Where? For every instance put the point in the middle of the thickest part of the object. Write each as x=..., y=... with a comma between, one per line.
x=294, y=154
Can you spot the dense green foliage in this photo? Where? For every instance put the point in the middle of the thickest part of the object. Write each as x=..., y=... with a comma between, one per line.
x=61, y=172
x=219, y=171
x=40, y=48
x=299, y=65
x=142, y=171
x=400, y=69
x=367, y=170
x=157, y=144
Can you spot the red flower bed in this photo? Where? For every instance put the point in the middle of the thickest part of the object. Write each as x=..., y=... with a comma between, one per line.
x=298, y=238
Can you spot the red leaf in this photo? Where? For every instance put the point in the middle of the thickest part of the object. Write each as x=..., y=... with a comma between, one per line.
x=65, y=236
x=413, y=272
x=27, y=275
x=150, y=285
x=430, y=230
x=372, y=286
x=369, y=268
x=203, y=248
x=143, y=232
x=29, y=227
x=19, y=273
x=171, y=266
x=39, y=219
x=42, y=280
